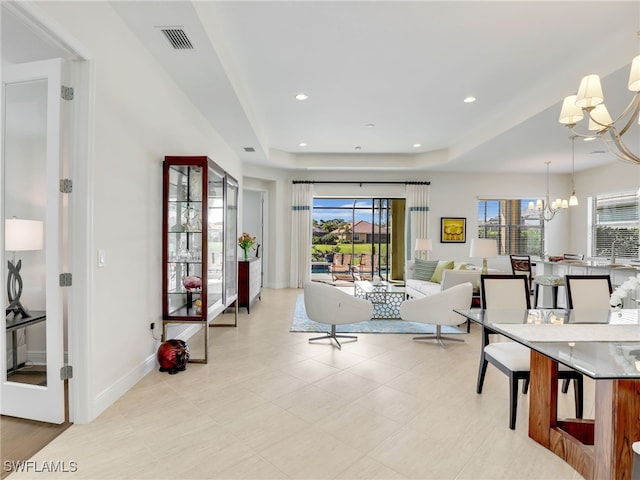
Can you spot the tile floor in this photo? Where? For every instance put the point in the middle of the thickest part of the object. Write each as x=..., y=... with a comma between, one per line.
x=269, y=405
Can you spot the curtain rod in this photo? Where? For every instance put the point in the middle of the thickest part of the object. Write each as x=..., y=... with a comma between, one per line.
x=362, y=183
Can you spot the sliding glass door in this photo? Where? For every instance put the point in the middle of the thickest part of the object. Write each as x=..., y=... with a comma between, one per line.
x=360, y=230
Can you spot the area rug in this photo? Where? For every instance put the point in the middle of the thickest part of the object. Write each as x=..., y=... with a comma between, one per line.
x=302, y=323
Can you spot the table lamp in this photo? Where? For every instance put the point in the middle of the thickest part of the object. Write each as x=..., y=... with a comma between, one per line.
x=423, y=245
x=483, y=248
x=19, y=236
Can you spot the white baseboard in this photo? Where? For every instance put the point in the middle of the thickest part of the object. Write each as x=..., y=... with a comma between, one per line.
x=110, y=395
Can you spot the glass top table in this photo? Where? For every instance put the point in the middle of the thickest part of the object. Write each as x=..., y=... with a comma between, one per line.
x=601, y=344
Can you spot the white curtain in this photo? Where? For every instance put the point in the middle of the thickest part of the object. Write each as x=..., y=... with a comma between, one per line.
x=301, y=208
x=417, y=222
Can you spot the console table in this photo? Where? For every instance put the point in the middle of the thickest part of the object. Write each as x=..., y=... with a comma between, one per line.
x=249, y=282
x=601, y=344
x=15, y=323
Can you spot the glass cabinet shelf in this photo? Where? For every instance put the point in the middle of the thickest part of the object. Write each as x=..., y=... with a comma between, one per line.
x=199, y=234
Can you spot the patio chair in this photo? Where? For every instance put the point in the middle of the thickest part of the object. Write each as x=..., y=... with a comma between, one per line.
x=367, y=267
x=340, y=269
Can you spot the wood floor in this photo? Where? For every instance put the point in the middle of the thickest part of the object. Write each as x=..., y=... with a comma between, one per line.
x=20, y=438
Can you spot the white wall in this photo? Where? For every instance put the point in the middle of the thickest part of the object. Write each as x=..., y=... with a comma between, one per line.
x=451, y=195
x=611, y=178
x=140, y=117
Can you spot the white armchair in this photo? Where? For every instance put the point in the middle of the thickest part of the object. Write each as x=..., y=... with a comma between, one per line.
x=437, y=309
x=326, y=304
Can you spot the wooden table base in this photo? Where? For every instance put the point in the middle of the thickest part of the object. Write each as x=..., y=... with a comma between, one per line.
x=599, y=449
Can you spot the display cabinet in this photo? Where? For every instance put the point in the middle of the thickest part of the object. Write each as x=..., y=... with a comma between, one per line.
x=199, y=219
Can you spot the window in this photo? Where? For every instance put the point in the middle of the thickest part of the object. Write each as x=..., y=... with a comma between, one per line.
x=515, y=223
x=614, y=218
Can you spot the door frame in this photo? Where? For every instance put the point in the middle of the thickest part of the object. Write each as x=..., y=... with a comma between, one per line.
x=80, y=234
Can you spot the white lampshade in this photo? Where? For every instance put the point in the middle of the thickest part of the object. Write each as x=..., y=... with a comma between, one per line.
x=590, y=92
x=22, y=235
x=601, y=115
x=573, y=200
x=483, y=248
x=634, y=75
x=423, y=244
x=570, y=114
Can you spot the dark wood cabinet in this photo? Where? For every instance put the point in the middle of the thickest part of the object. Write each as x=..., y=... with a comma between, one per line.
x=249, y=281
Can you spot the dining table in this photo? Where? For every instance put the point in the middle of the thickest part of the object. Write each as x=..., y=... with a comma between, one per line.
x=602, y=344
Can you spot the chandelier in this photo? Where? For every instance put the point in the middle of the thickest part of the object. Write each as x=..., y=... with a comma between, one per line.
x=547, y=208
x=590, y=101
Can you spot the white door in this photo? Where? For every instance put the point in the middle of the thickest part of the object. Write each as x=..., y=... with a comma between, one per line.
x=31, y=172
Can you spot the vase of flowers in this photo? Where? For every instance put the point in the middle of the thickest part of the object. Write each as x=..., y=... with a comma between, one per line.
x=245, y=242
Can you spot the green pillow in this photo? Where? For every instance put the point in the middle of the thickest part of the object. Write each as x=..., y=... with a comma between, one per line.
x=424, y=269
x=440, y=268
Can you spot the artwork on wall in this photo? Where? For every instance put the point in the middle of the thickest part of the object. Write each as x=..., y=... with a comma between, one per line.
x=453, y=230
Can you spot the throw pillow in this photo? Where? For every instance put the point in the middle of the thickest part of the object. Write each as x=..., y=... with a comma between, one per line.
x=424, y=269
x=460, y=265
x=440, y=268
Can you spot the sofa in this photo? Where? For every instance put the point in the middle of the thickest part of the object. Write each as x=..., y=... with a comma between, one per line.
x=433, y=276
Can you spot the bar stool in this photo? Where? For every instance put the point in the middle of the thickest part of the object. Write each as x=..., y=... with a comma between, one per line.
x=553, y=281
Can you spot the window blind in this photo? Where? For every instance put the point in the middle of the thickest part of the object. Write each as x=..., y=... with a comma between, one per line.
x=615, y=219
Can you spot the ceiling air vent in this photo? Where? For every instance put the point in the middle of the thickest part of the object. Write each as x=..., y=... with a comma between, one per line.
x=177, y=38
x=249, y=149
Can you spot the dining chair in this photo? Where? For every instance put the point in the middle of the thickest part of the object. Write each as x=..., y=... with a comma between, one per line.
x=588, y=291
x=511, y=292
x=521, y=265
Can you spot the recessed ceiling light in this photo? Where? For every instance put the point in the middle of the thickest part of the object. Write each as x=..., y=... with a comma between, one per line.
x=358, y=147
x=301, y=96
x=303, y=144
x=417, y=145
x=469, y=99
x=369, y=125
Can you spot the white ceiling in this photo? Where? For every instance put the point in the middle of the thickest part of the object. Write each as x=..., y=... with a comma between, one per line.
x=404, y=67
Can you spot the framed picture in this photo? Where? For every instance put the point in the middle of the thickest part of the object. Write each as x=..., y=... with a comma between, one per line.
x=453, y=230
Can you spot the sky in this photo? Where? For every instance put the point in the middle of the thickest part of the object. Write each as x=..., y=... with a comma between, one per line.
x=331, y=208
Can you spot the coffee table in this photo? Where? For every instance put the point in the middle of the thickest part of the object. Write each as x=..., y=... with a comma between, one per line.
x=386, y=298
